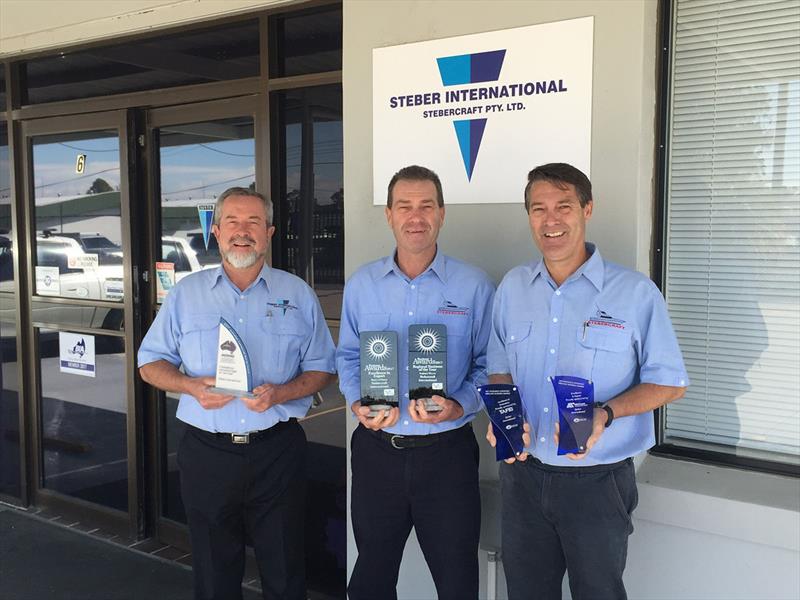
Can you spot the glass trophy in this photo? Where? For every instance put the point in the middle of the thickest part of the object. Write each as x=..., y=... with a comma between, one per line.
x=575, y=397
x=234, y=374
x=504, y=405
x=427, y=364
x=378, y=354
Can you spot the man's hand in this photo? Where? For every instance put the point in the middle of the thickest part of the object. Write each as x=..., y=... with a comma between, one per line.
x=384, y=418
x=269, y=395
x=451, y=410
x=526, y=439
x=198, y=387
x=598, y=427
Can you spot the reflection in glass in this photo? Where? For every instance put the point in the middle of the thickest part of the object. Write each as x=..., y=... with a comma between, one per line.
x=83, y=426
x=307, y=42
x=6, y=250
x=9, y=412
x=172, y=504
x=77, y=215
x=198, y=162
x=218, y=53
x=312, y=190
x=326, y=517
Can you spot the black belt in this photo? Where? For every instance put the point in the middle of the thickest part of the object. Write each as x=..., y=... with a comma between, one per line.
x=245, y=438
x=404, y=442
x=535, y=462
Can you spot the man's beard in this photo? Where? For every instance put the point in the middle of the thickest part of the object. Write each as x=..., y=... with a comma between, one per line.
x=239, y=260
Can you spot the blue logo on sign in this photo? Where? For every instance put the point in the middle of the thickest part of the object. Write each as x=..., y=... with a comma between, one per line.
x=463, y=69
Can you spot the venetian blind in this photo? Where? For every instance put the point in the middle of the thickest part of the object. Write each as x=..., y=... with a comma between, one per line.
x=733, y=223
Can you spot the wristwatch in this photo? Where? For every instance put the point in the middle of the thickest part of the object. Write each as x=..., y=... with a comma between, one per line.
x=608, y=410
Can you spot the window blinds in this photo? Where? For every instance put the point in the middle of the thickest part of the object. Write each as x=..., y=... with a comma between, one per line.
x=733, y=223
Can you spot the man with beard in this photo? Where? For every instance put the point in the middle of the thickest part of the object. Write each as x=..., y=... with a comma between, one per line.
x=413, y=467
x=242, y=461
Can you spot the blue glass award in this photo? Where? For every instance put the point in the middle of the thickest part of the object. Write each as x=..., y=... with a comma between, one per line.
x=575, y=397
x=504, y=405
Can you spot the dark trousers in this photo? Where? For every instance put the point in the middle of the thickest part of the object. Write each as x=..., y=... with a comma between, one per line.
x=234, y=492
x=435, y=490
x=576, y=519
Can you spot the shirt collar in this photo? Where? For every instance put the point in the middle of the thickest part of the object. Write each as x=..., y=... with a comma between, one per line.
x=437, y=266
x=218, y=273
x=593, y=269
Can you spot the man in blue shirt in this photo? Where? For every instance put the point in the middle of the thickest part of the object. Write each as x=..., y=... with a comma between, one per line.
x=575, y=314
x=242, y=461
x=412, y=467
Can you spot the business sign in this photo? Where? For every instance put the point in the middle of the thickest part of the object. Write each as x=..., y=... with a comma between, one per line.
x=76, y=354
x=482, y=110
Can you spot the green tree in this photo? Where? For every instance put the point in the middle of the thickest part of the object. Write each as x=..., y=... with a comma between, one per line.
x=99, y=186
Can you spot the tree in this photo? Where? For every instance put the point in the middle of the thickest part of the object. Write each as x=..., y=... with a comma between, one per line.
x=99, y=186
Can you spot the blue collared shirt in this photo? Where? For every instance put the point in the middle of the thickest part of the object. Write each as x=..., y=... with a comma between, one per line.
x=380, y=297
x=280, y=321
x=605, y=323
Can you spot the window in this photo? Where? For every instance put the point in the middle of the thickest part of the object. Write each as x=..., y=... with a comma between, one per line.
x=732, y=229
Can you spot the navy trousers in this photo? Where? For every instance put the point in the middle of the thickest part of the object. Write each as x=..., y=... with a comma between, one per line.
x=573, y=519
x=433, y=489
x=237, y=492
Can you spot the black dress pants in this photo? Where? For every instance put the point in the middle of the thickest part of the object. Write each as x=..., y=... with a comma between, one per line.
x=254, y=491
x=432, y=488
x=573, y=519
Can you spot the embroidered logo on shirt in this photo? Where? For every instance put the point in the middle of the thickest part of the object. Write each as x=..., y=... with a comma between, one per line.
x=448, y=308
x=603, y=319
x=284, y=305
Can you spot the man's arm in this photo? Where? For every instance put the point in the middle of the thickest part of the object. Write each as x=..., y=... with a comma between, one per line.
x=166, y=376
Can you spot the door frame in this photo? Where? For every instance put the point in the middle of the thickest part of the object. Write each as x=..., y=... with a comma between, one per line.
x=122, y=121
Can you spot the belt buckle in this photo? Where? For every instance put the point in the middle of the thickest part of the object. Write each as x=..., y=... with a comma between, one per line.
x=394, y=445
x=240, y=438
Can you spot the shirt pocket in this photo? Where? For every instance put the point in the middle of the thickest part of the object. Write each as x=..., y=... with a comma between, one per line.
x=198, y=348
x=282, y=346
x=608, y=353
x=517, y=340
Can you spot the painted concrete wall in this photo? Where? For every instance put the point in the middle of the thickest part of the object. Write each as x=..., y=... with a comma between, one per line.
x=29, y=25
x=690, y=541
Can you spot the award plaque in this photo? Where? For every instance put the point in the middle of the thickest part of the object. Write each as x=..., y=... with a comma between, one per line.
x=234, y=375
x=504, y=405
x=427, y=364
x=378, y=353
x=575, y=398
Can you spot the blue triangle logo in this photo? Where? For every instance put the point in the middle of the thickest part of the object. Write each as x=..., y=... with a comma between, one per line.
x=206, y=214
x=469, y=133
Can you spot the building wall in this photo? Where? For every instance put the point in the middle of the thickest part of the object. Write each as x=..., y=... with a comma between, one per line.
x=27, y=26
x=689, y=539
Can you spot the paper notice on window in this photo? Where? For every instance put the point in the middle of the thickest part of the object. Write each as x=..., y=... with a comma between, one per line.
x=165, y=279
x=76, y=354
x=48, y=282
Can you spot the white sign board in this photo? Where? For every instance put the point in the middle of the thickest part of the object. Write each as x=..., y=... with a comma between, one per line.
x=482, y=110
x=76, y=354
x=48, y=282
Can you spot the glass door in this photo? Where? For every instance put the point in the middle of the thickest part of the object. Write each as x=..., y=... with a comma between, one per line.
x=196, y=152
x=82, y=305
